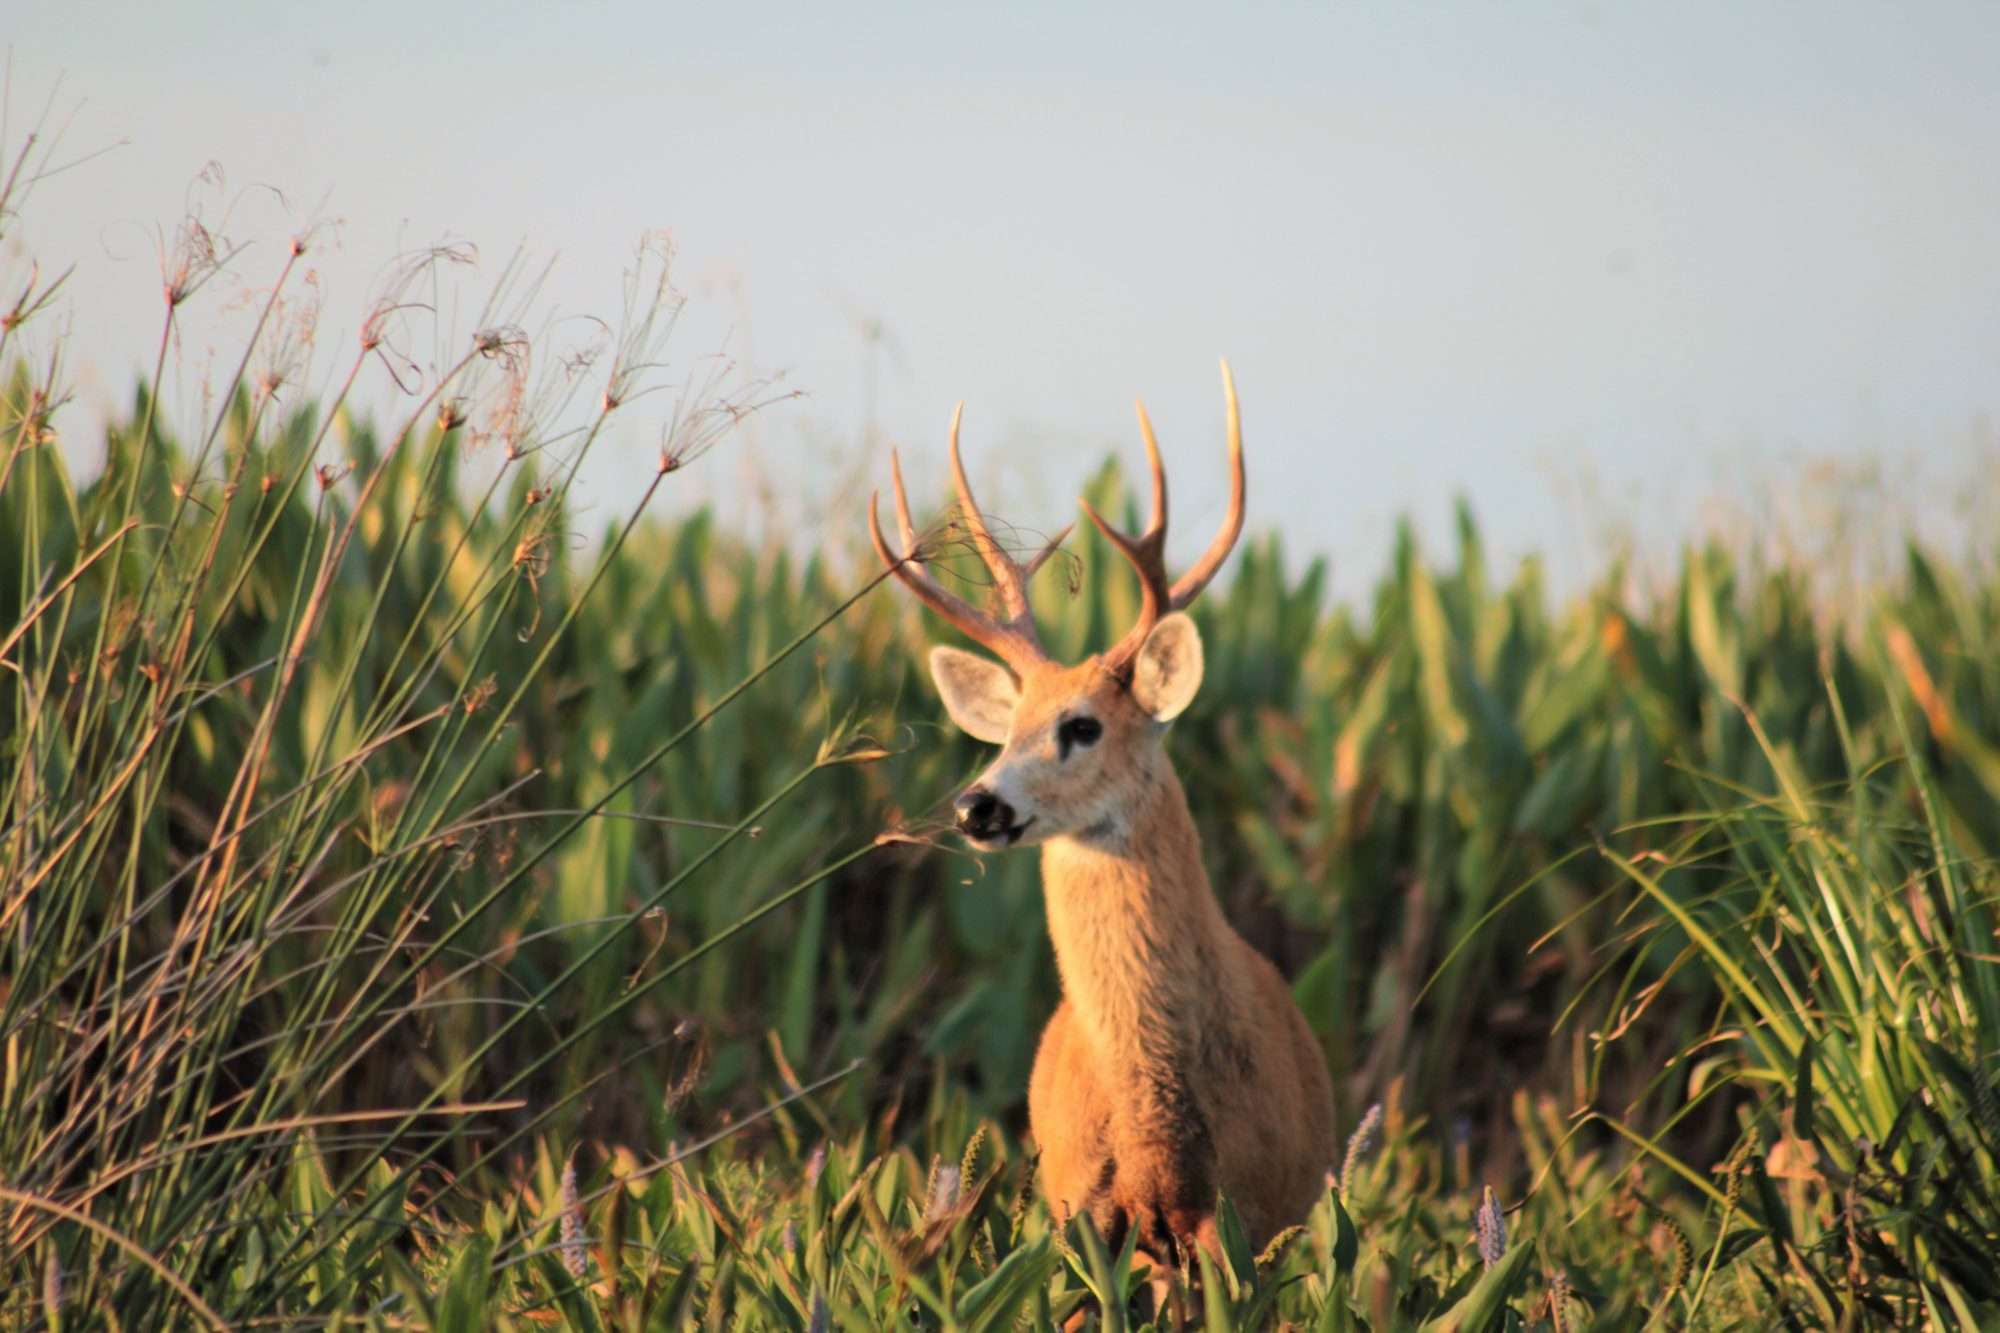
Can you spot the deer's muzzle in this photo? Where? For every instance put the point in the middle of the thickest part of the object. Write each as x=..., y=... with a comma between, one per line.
x=984, y=817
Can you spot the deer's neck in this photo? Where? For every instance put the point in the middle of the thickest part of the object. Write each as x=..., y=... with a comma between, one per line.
x=1139, y=940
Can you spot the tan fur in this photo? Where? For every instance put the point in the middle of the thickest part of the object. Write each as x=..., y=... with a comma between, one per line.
x=1177, y=1063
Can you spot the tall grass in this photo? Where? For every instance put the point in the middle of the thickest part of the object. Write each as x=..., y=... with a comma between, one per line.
x=1857, y=1037
x=376, y=857
x=264, y=782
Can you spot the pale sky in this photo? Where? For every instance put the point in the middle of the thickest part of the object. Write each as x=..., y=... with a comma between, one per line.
x=1468, y=247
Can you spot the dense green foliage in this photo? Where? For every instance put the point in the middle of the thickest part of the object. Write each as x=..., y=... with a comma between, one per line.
x=373, y=844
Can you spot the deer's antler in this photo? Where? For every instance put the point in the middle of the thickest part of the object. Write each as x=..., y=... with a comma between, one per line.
x=1011, y=634
x=1147, y=551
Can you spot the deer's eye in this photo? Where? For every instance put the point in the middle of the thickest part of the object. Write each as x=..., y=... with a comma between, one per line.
x=1075, y=731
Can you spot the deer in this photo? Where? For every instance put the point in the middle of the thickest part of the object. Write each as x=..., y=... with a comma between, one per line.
x=1177, y=1064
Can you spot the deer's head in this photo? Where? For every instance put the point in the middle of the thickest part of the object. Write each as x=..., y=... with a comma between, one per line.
x=1080, y=745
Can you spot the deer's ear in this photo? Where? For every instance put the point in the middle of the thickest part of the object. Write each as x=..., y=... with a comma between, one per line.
x=979, y=695
x=1167, y=671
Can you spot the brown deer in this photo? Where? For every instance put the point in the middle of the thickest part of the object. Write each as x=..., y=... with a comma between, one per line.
x=1177, y=1064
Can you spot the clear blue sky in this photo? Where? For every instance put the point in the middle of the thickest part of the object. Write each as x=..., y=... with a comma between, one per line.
x=1449, y=247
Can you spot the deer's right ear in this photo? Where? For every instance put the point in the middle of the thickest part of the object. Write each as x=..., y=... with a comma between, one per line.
x=979, y=694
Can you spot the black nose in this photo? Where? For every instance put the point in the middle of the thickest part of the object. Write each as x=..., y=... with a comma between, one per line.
x=982, y=815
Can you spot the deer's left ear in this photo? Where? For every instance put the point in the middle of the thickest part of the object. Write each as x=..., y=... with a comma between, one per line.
x=1167, y=671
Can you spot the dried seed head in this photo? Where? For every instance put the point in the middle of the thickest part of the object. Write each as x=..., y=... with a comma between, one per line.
x=1683, y=1255
x=1559, y=1300
x=944, y=1191
x=573, y=1254
x=531, y=555
x=198, y=255
x=480, y=695
x=1274, y=1249
x=689, y=1032
x=1361, y=1144
x=52, y=1288
x=968, y=1165
x=1489, y=1227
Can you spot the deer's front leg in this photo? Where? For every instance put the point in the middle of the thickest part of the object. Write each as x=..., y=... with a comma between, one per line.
x=1167, y=1160
x=1069, y=1115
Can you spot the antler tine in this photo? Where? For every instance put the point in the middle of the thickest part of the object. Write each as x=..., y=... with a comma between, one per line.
x=1049, y=548
x=1158, y=522
x=1014, y=638
x=904, y=526
x=1189, y=585
x=1009, y=577
x=1145, y=555
x=1147, y=552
